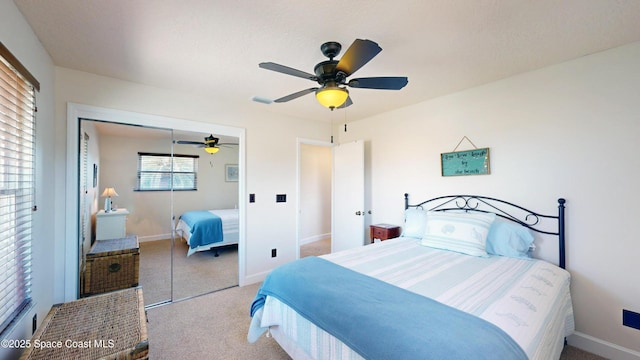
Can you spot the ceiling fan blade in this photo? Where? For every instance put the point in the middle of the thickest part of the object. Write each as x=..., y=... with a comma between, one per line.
x=295, y=95
x=383, y=83
x=186, y=142
x=347, y=103
x=358, y=54
x=287, y=70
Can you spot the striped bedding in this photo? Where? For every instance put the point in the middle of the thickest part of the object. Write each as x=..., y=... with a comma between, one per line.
x=528, y=299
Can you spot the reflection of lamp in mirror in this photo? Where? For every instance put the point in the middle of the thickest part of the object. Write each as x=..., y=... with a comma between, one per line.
x=107, y=194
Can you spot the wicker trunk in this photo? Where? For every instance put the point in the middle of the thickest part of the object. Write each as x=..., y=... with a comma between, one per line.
x=106, y=326
x=112, y=265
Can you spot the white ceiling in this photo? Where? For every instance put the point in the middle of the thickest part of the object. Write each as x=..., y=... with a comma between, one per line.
x=213, y=47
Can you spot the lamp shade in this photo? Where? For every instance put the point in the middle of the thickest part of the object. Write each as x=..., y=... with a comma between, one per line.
x=332, y=96
x=109, y=192
x=211, y=149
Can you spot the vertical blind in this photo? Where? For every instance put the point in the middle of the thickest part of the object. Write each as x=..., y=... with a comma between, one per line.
x=17, y=190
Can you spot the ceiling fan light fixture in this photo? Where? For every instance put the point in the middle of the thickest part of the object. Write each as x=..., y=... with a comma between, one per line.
x=211, y=149
x=332, y=97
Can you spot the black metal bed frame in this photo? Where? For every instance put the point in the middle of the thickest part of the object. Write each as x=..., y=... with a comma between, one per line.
x=501, y=208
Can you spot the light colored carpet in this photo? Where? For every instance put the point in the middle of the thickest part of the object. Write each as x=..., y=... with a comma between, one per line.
x=212, y=326
x=199, y=273
x=215, y=326
x=316, y=248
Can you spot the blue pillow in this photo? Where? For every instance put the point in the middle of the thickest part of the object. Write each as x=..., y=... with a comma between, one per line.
x=506, y=238
x=415, y=223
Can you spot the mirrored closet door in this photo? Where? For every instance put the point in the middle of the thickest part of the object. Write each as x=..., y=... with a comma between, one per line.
x=147, y=179
x=205, y=256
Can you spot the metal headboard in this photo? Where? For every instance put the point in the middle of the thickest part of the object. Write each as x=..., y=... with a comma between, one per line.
x=503, y=209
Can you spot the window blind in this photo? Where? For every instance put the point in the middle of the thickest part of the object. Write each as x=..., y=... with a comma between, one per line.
x=17, y=189
x=167, y=172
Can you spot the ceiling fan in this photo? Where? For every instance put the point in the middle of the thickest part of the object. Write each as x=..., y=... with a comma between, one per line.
x=332, y=74
x=211, y=144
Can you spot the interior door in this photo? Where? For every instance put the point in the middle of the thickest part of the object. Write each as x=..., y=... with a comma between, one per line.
x=347, y=230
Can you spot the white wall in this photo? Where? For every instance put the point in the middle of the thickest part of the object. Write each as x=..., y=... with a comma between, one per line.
x=315, y=193
x=569, y=130
x=18, y=37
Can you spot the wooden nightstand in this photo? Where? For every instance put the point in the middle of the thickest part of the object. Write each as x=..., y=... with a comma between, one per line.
x=384, y=231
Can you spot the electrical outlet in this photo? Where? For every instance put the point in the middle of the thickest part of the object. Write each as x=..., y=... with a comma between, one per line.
x=34, y=324
x=631, y=319
x=274, y=253
x=281, y=198
x=252, y=198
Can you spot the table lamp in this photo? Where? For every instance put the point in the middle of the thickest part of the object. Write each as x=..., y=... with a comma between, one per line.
x=107, y=194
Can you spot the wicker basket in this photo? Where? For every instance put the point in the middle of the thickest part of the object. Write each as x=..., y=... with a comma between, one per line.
x=106, y=326
x=112, y=265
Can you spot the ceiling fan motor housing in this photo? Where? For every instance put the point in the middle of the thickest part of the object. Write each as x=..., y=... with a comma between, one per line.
x=326, y=71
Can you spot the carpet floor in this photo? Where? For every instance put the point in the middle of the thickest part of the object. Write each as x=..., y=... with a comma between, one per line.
x=197, y=274
x=316, y=248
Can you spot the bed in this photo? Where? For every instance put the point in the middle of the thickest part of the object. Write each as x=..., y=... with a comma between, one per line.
x=208, y=229
x=468, y=291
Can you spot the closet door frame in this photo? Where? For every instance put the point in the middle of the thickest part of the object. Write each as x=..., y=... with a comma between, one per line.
x=76, y=112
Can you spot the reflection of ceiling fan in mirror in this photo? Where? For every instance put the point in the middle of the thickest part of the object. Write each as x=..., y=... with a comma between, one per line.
x=211, y=144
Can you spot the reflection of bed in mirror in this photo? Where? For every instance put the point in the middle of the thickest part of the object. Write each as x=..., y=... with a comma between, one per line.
x=208, y=229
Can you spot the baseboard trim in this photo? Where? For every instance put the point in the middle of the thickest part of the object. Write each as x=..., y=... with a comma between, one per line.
x=252, y=279
x=601, y=347
x=311, y=239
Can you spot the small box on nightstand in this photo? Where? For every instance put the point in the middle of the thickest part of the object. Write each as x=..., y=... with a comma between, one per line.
x=384, y=231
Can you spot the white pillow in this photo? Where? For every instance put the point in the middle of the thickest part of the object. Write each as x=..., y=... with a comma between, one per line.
x=415, y=223
x=461, y=232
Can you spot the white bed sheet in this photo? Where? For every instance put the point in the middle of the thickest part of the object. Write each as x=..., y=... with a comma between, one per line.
x=230, y=230
x=529, y=299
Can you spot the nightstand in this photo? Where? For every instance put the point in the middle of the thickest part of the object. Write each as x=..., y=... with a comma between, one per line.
x=384, y=231
x=111, y=225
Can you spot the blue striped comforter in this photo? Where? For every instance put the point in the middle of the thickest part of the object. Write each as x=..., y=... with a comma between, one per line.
x=405, y=326
x=528, y=299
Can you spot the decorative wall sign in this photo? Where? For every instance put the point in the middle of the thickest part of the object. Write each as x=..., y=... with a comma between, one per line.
x=470, y=162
